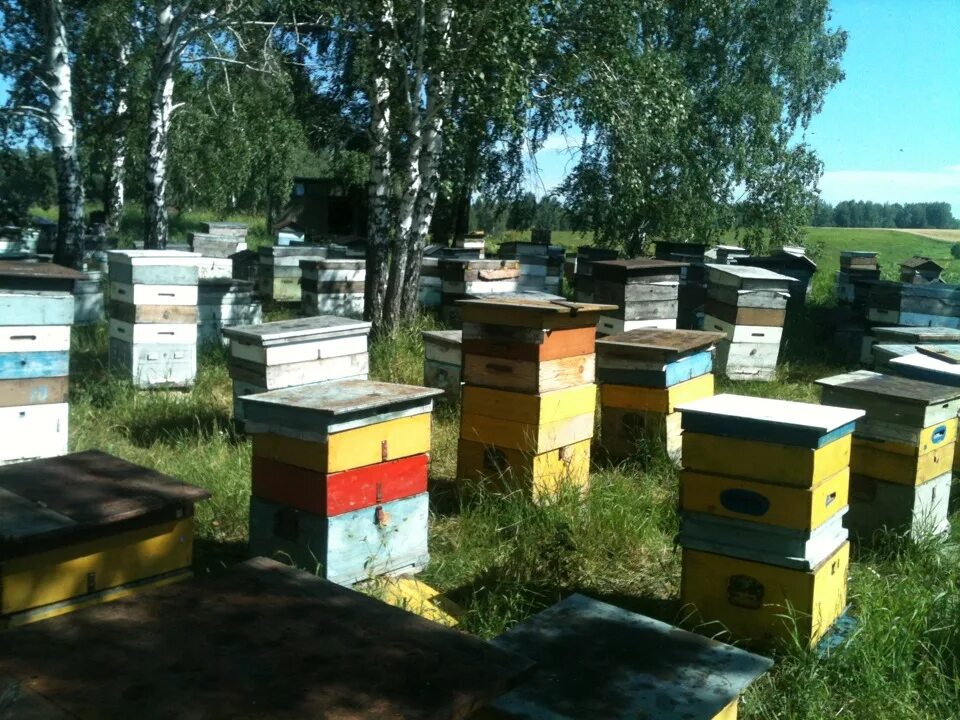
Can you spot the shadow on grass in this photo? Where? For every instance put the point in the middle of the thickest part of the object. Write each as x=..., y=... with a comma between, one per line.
x=211, y=557
x=173, y=423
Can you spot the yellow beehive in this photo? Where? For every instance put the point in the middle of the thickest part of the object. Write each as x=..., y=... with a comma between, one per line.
x=661, y=400
x=541, y=476
x=876, y=459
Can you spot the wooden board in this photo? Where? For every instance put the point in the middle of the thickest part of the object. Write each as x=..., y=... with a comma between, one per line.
x=607, y=325
x=920, y=511
x=130, y=313
x=596, y=660
x=556, y=344
x=752, y=334
x=661, y=400
x=636, y=270
x=769, y=299
x=340, y=303
x=873, y=459
x=530, y=409
x=283, y=332
x=371, y=663
x=34, y=338
x=155, y=274
x=328, y=494
x=528, y=376
x=540, y=477
x=653, y=344
x=625, y=371
x=444, y=346
x=746, y=360
x=768, y=420
x=915, y=335
x=926, y=368
x=745, y=277
x=153, y=333
x=532, y=313
x=29, y=365
x=892, y=399
x=300, y=350
x=534, y=439
x=36, y=308
x=35, y=391
x=754, y=601
x=154, y=294
x=745, y=315
x=621, y=294
x=632, y=311
x=946, y=353
x=36, y=272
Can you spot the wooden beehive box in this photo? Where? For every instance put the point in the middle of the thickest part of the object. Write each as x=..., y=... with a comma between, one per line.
x=40, y=277
x=85, y=528
x=443, y=361
x=655, y=358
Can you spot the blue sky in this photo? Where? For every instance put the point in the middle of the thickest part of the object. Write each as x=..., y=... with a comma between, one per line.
x=891, y=130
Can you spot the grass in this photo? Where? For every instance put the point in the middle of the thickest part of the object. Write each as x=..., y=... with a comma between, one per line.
x=502, y=558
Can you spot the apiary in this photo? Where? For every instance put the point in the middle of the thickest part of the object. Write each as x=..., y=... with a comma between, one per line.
x=278, y=271
x=224, y=302
x=153, y=316
x=302, y=351
x=462, y=279
x=596, y=660
x=86, y=528
x=89, y=307
x=583, y=274
x=340, y=477
x=442, y=361
x=645, y=292
x=34, y=373
x=332, y=287
x=643, y=376
x=431, y=285
x=42, y=277
x=244, y=644
x=529, y=394
x=747, y=304
x=541, y=265
x=763, y=496
x=903, y=451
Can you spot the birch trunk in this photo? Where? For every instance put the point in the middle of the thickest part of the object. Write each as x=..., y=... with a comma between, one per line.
x=158, y=123
x=378, y=240
x=118, y=162
x=63, y=140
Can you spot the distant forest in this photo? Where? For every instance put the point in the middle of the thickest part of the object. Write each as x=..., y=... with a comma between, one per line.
x=866, y=214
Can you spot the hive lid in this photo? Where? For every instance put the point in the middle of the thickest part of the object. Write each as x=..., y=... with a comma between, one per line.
x=261, y=640
x=319, y=327
x=595, y=660
x=531, y=312
x=45, y=500
x=452, y=338
x=651, y=342
x=45, y=271
x=748, y=273
x=918, y=334
x=933, y=367
x=153, y=257
x=948, y=353
x=891, y=387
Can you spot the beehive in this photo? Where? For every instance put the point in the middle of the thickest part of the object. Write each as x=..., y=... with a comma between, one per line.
x=278, y=272
x=85, y=528
x=903, y=450
x=153, y=316
x=285, y=353
x=462, y=279
x=442, y=361
x=645, y=292
x=540, y=264
x=34, y=373
x=643, y=375
x=583, y=272
x=332, y=287
x=340, y=477
x=748, y=305
x=529, y=397
x=224, y=302
x=762, y=500
x=595, y=660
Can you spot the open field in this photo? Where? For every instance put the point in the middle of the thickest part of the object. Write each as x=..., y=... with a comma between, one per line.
x=945, y=235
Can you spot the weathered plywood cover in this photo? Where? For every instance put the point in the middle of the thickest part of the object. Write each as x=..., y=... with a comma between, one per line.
x=63, y=499
x=40, y=271
x=655, y=344
x=261, y=641
x=596, y=660
x=321, y=327
x=905, y=390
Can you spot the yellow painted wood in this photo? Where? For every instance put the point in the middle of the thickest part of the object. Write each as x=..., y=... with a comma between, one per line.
x=533, y=409
x=417, y=597
x=789, y=507
x=351, y=448
x=924, y=445
x=729, y=712
x=491, y=713
x=61, y=574
x=625, y=433
x=540, y=476
x=762, y=603
x=866, y=459
x=529, y=438
x=663, y=400
x=767, y=462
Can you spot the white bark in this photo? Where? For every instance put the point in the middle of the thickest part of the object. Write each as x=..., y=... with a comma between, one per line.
x=63, y=140
x=118, y=160
x=158, y=124
x=378, y=241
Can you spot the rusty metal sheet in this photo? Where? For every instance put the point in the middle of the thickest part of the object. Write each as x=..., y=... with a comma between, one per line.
x=81, y=492
x=654, y=343
x=261, y=641
x=45, y=271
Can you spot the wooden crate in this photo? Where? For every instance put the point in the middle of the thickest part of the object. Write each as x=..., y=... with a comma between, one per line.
x=541, y=477
x=88, y=527
x=792, y=508
x=299, y=340
x=918, y=510
x=736, y=334
x=137, y=314
x=662, y=672
x=388, y=538
x=155, y=365
x=760, y=603
x=153, y=333
x=332, y=303
x=33, y=431
x=734, y=315
x=744, y=277
x=154, y=294
x=307, y=372
x=535, y=314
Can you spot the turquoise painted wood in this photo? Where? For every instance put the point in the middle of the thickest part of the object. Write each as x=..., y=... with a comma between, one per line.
x=23, y=366
x=674, y=373
x=35, y=308
x=154, y=274
x=347, y=548
x=924, y=320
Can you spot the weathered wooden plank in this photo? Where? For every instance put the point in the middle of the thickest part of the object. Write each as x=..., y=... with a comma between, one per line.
x=870, y=386
x=35, y=391
x=662, y=400
x=444, y=376
x=130, y=313
x=36, y=308
x=746, y=360
x=275, y=377
x=298, y=330
x=528, y=376
x=29, y=365
x=874, y=460
x=745, y=315
x=34, y=338
x=769, y=299
x=628, y=372
x=156, y=274
x=300, y=348
x=332, y=303
x=540, y=477
x=547, y=314
x=745, y=277
x=916, y=335
x=608, y=325
x=925, y=368
x=752, y=334
x=646, y=310
x=950, y=319
x=555, y=344
x=150, y=334
x=949, y=354
x=653, y=344
x=636, y=270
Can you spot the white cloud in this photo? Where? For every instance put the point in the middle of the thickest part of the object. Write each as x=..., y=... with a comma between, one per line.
x=893, y=186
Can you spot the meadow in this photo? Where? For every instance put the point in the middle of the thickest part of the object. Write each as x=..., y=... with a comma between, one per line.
x=501, y=558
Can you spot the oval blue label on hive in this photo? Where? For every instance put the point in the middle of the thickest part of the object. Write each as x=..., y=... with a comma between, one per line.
x=939, y=434
x=744, y=502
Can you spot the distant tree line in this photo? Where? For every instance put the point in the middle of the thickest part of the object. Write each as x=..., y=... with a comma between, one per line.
x=866, y=214
x=523, y=212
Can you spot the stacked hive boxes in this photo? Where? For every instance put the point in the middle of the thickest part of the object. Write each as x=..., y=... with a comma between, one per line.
x=529, y=394
x=474, y=242
x=644, y=375
x=693, y=280
x=858, y=268
x=278, y=274
x=762, y=496
x=340, y=477
x=903, y=451
x=469, y=278
x=86, y=528
x=748, y=305
x=932, y=305
x=891, y=342
x=216, y=245
x=153, y=316
x=431, y=285
x=89, y=307
x=645, y=291
x=583, y=279
x=540, y=265
x=295, y=352
x=332, y=287
x=442, y=360
x=224, y=302
x=34, y=374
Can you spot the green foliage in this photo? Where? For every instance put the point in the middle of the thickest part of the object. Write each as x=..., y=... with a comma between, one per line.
x=955, y=251
x=867, y=214
x=26, y=178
